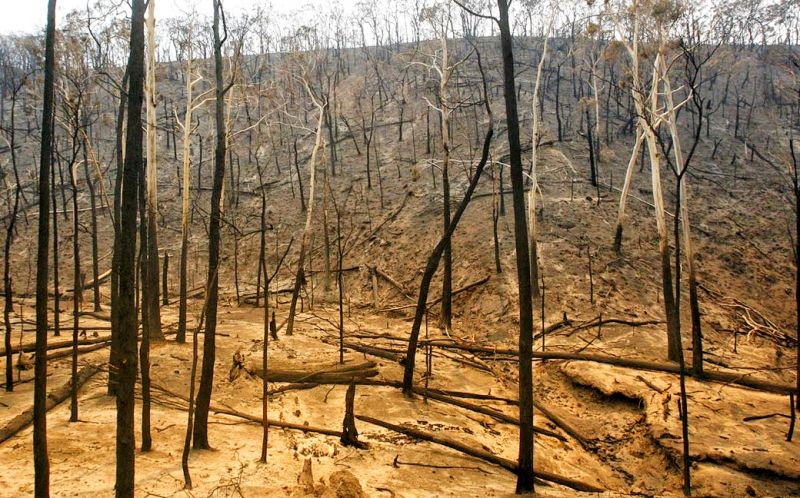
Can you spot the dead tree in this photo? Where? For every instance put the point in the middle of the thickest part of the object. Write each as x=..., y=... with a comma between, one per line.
x=200, y=429
x=312, y=167
x=191, y=105
x=124, y=362
x=535, y=135
x=436, y=255
x=41, y=461
x=441, y=22
x=525, y=461
x=649, y=119
x=150, y=284
x=8, y=306
x=796, y=192
x=77, y=292
x=117, y=220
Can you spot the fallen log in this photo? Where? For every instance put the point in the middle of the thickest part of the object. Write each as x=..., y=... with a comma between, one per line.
x=252, y=418
x=436, y=301
x=94, y=283
x=55, y=397
x=495, y=414
x=31, y=346
x=440, y=395
x=68, y=352
x=388, y=218
x=562, y=424
x=739, y=379
x=387, y=354
x=482, y=454
x=599, y=321
x=97, y=315
x=196, y=293
x=275, y=423
x=325, y=375
x=394, y=282
x=565, y=322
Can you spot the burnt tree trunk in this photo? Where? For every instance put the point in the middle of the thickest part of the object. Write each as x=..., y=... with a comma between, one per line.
x=112, y=375
x=200, y=429
x=8, y=307
x=525, y=476
x=41, y=461
x=125, y=361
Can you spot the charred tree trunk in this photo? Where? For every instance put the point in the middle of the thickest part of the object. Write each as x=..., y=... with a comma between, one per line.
x=41, y=461
x=8, y=306
x=93, y=203
x=117, y=220
x=56, y=292
x=200, y=429
x=524, y=477
x=144, y=294
x=125, y=362
x=436, y=254
x=796, y=187
x=433, y=264
x=77, y=293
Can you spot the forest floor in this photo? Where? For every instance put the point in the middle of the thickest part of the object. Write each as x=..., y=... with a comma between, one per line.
x=631, y=424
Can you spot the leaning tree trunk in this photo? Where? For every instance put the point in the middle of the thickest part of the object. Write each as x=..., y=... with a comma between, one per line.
x=433, y=264
x=532, y=236
x=300, y=274
x=626, y=187
x=796, y=188
x=124, y=363
x=41, y=461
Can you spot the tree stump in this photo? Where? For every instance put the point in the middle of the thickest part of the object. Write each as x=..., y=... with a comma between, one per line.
x=349, y=431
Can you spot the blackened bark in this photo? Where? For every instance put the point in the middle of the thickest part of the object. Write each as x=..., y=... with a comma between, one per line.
x=93, y=204
x=124, y=363
x=200, y=429
x=525, y=475
x=590, y=141
x=8, y=307
x=41, y=461
x=165, y=280
x=112, y=375
x=56, y=293
x=77, y=294
x=433, y=264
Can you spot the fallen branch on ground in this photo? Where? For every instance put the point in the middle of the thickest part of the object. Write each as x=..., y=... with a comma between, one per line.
x=481, y=454
x=67, y=343
x=439, y=299
x=55, y=397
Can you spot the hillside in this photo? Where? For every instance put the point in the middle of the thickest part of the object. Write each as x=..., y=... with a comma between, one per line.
x=612, y=428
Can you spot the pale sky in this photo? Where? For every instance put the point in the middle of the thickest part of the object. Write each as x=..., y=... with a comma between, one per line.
x=28, y=16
